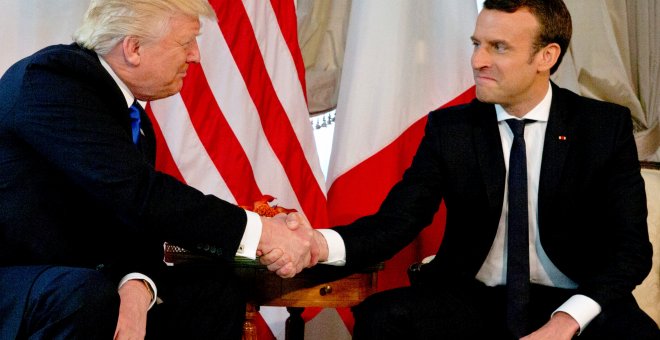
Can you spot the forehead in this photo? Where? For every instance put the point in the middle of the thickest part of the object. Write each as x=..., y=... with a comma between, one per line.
x=503, y=26
x=182, y=26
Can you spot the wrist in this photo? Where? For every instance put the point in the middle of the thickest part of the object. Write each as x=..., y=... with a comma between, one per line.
x=135, y=291
x=566, y=323
x=323, y=246
x=147, y=285
x=265, y=234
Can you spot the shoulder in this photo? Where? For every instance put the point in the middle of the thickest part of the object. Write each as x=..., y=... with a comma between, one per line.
x=70, y=60
x=467, y=114
x=63, y=74
x=588, y=107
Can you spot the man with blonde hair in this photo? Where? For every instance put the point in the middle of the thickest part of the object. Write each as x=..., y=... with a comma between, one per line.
x=83, y=213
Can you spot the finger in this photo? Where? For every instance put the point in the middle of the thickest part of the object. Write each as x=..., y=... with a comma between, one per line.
x=281, y=262
x=293, y=220
x=271, y=257
x=288, y=271
x=302, y=262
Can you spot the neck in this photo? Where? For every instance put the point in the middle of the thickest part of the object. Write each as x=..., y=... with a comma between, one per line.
x=536, y=95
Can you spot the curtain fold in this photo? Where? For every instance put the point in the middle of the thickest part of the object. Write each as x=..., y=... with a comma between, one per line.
x=614, y=56
x=322, y=27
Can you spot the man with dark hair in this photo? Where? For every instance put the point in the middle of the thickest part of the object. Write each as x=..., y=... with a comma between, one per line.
x=546, y=233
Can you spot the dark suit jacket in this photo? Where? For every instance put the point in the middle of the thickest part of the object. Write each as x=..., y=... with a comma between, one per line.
x=75, y=190
x=592, y=208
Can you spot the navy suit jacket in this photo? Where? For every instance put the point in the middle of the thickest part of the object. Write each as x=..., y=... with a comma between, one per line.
x=592, y=203
x=76, y=191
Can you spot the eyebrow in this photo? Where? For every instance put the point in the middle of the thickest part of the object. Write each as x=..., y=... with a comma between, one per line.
x=491, y=42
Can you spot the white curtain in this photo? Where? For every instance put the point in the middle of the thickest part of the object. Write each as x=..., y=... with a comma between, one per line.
x=615, y=56
x=55, y=23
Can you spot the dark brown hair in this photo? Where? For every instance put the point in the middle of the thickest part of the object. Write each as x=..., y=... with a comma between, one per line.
x=553, y=17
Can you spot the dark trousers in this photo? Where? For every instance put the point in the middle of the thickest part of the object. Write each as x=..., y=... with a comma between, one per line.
x=474, y=311
x=49, y=302
x=202, y=302
x=46, y=302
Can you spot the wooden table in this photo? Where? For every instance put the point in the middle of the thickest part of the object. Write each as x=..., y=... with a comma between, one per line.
x=321, y=286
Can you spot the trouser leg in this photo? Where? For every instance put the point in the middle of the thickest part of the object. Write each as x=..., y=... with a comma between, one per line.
x=199, y=302
x=60, y=302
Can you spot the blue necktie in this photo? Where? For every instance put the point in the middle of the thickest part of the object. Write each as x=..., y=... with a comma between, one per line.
x=134, y=114
x=517, y=276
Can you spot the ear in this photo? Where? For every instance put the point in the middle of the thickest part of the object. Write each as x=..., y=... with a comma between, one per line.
x=548, y=56
x=131, y=48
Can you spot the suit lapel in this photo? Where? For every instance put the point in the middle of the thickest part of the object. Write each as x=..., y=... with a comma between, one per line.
x=488, y=147
x=559, y=135
x=147, y=142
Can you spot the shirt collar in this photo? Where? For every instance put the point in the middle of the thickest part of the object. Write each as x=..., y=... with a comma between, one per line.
x=540, y=112
x=130, y=98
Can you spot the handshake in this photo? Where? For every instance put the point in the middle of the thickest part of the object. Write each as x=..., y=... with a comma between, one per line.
x=289, y=244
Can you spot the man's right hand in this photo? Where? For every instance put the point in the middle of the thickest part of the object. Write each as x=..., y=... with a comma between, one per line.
x=287, y=245
x=276, y=260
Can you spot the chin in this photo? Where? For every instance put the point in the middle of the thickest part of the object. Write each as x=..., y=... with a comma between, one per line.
x=483, y=96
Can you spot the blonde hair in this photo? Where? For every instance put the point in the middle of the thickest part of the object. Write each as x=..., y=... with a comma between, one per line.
x=107, y=22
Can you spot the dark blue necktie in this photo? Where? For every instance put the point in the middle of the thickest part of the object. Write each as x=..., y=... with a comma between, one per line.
x=517, y=276
x=134, y=114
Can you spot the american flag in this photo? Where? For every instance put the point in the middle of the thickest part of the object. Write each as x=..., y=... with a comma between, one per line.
x=240, y=129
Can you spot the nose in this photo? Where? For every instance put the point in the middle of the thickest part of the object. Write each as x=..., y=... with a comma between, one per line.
x=194, y=54
x=479, y=58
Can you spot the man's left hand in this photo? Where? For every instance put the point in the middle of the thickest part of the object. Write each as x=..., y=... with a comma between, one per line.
x=560, y=326
x=133, y=307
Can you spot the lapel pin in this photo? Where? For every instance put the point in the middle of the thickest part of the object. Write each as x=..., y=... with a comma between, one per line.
x=562, y=137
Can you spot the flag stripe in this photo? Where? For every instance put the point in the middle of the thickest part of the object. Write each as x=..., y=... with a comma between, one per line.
x=274, y=119
x=285, y=12
x=218, y=138
x=188, y=153
x=164, y=160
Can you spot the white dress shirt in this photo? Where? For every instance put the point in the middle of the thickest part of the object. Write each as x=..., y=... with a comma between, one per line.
x=493, y=271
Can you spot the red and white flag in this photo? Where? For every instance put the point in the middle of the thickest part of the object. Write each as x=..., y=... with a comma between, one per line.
x=240, y=127
x=403, y=59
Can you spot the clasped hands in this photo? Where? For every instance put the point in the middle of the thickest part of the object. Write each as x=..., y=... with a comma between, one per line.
x=289, y=244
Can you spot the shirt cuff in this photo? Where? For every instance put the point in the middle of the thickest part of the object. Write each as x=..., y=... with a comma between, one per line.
x=581, y=308
x=250, y=241
x=138, y=276
x=336, y=247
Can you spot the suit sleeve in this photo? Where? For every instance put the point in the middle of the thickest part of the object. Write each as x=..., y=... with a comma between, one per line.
x=408, y=208
x=621, y=231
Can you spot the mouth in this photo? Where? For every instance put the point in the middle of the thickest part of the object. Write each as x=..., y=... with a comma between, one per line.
x=480, y=79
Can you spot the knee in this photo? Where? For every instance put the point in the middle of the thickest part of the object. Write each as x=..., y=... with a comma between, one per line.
x=71, y=303
x=78, y=291
x=378, y=309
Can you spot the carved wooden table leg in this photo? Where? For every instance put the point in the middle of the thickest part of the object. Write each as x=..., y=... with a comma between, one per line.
x=249, y=327
x=295, y=326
